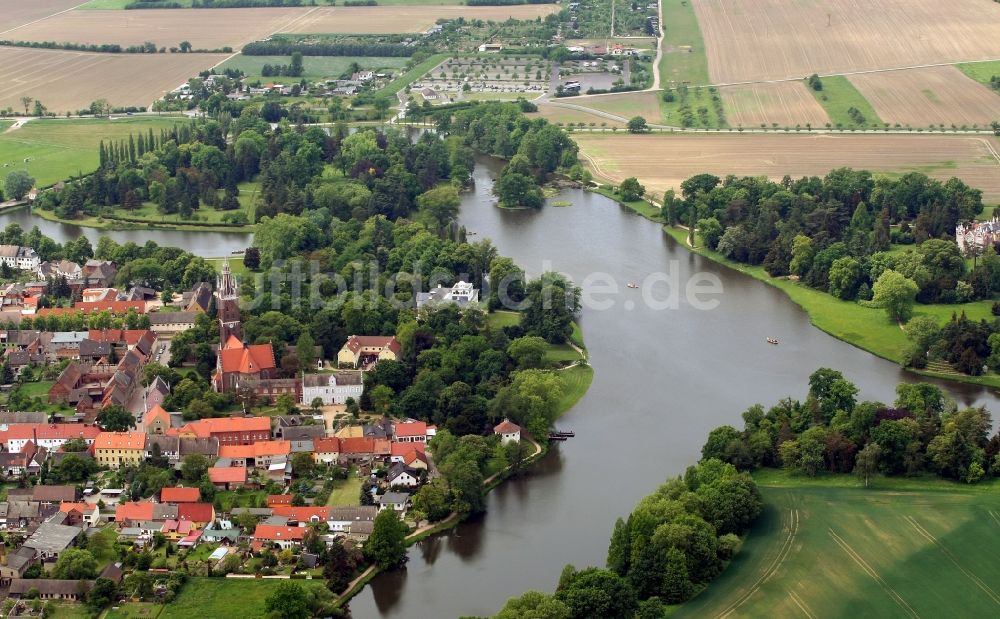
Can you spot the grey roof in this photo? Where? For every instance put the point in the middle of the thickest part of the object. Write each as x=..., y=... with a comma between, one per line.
x=278, y=521
x=69, y=337
x=394, y=498
x=362, y=527
x=362, y=512
x=90, y=348
x=302, y=433
x=398, y=469
x=204, y=446
x=302, y=446
x=164, y=318
x=162, y=511
x=21, y=558
x=49, y=586
x=220, y=534
x=253, y=511
x=338, y=378
x=52, y=538
x=22, y=417
x=22, y=509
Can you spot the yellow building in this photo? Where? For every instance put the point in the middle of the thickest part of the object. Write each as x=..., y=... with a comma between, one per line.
x=117, y=449
x=363, y=350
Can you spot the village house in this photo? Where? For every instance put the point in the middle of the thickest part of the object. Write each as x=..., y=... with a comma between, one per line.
x=341, y=519
x=509, y=432
x=302, y=516
x=366, y=350
x=461, y=294
x=326, y=450
x=413, y=432
x=332, y=388
x=138, y=512
x=199, y=514
x=120, y=449
x=169, y=323
x=51, y=589
x=99, y=272
x=281, y=536
x=200, y=298
x=228, y=477
x=49, y=540
x=403, y=476
x=174, y=448
x=396, y=501
x=156, y=393
x=180, y=495
x=228, y=430
x=77, y=514
x=261, y=454
x=156, y=420
x=20, y=258
x=50, y=436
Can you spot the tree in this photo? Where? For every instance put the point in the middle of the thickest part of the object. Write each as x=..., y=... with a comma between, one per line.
x=439, y=205
x=677, y=586
x=338, y=567
x=114, y=418
x=516, y=189
x=596, y=593
x=17, y=184
x=288, y=601
x=867, y=462
x=433, y=500
x=26, y=102
x=251, y=258
x=103, y=593
x=528, y=352
x=303, y=464
x=75, y=564
x=630, y=190
x=534, y=605
x=386, y=546
x=552, y=304
x=637, y=124
x=896, y=294
x=305, y=348
x=193, y=467
x=382, y=105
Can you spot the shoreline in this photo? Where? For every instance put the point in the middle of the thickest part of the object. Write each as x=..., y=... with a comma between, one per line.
x=110, y=223
x=797, y=294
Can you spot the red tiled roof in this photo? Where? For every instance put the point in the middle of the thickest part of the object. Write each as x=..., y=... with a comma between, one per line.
x=410, y=428
x=326, y=445
x=279, y=499
x=156, y=413
x=357, y=445
x=196, y=512
x=247, y=359
x=115, y=307
x=357, y=342
x=256, y=450
x=47, y=431
x=180, y=495
x=205, y=428
x=382, y=447
x=413, y=456
x=301, y=514
x=402, y=449
x=269, y=532
x=506, y=427
x=120, y=440
x=227, y=474
x=83, y=508
x=134, y=511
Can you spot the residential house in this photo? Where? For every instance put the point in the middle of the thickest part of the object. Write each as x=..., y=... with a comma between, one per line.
x=399, y=451
x=302, y=515
x=462, y=294
x=273, y=500
x=200, y=514
x=119, y=449
x=99, y=272
x=228, y=477
x=180, y=495
x=19, y=514
x=59, y=268
x=20, y=258
x=50, y=436
x=261, y=454
x=228, y=430
x=366, y=350
x=156, y=393
x=200, y=298
x=14, y=565
x=287, y=427
x=86, y=514
x=169, y=323
x=341, y=519
x=402, y=475
x=282, y=536
x=416, y=459
x=326, y=450
x=396, y=501
x=410, y=432
x=51, y=589
x=509, y=432
x=332, y=388
x=53, y=495
x=156, y=420
x=137, y=512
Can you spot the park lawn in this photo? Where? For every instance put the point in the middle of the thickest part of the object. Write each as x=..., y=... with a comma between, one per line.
x=418, y=71
x=680, y=28
x=828, y=547
x=501, y=319
x=313, y=66
x=838, y=96
x=225, y=598
x=346, y=492
x=647, y=210
x=981, y=71
x=865, y=327
x=68, y=610
x=134, y=610
x=575, y=382
x=247, y=198
x=58, y=149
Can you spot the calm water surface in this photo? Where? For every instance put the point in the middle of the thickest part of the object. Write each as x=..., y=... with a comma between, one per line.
x=199, y=243
x=662, y=380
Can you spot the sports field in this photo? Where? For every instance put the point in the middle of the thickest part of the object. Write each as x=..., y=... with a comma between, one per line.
x=663, y=161
x=931, y=96
x=70, y=81
x=785, y=103
x=757, y=40
x=844, y=551
x=57, y=149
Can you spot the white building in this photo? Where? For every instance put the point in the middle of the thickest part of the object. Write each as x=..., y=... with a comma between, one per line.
x=21, y=258
x=509, y=432
x=978, y=234
x=332, y=388
x=463, y=293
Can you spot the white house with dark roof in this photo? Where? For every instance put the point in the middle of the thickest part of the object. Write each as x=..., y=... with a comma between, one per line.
x=462, y=294
x=332, y=388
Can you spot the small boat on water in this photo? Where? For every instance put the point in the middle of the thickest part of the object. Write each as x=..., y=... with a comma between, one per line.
x=631, y=285
x=772, y=340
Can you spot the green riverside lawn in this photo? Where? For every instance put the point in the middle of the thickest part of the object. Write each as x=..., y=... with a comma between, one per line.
x=865, y=327
x=828, y=547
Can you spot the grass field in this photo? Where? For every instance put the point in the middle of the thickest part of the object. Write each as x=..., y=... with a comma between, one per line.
x=418, y=71
x=58, y=149
x=830, y=548
x=225, y=598
x=576, y=380
x=315, y=66
x=838, y=96
x=684, y=59
x=347, y=491
x=149, y=211
x=981, y=71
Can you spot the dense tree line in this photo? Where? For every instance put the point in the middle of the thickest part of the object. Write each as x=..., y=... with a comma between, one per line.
x=285, y=47
x=218, y=4
x=921, y=432
x=506, y=2
x=672, y=545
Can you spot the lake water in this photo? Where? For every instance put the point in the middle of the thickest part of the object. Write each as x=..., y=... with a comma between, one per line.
x=207, y=244
x=663, y=379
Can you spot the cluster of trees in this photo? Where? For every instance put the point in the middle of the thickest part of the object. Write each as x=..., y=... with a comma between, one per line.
x=285, y=47
x=969, y=346
x=675, y=542
x=293, y=69
x=835, y=233
x=922, y=432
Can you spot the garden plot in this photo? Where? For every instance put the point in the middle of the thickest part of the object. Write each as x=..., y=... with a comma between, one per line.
x=500, y=76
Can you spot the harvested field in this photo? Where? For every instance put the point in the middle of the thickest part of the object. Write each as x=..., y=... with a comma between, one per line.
x=556, y=114
x=19, y=13
x=759, y=40
x=663, y=161
x=204, y=29
x=625, y=105
x=786, y=103
x=923, y=97
x=69, y=81
x=389, y=19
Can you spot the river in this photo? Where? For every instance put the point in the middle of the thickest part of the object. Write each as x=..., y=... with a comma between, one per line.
x=663, y=379
x=206, y=244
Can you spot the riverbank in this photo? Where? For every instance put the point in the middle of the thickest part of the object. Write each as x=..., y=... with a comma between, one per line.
x=828, y=547
x=111, y=223
x=864, y=327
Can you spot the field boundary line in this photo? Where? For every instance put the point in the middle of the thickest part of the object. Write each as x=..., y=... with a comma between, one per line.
x=72, y=8
x=868, y=569
x=989, y=147
x=995, y=516
x=783, y=551
x=801, y=604
x=951, y=557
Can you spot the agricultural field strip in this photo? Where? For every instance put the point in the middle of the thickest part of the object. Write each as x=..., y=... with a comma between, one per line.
x=993, y=595
x=66, y=10
x=783, y=551
x=868, y=569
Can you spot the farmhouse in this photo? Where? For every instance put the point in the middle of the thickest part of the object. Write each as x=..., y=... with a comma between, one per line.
x=509, y=432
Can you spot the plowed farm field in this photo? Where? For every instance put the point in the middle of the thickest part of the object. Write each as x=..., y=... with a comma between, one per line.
x=785, y=103
x=933, y=96
x=759, y=40
x=203, y=28
x=663, y=161
x=70, y=81
x=17, y=13
x=389, y=19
